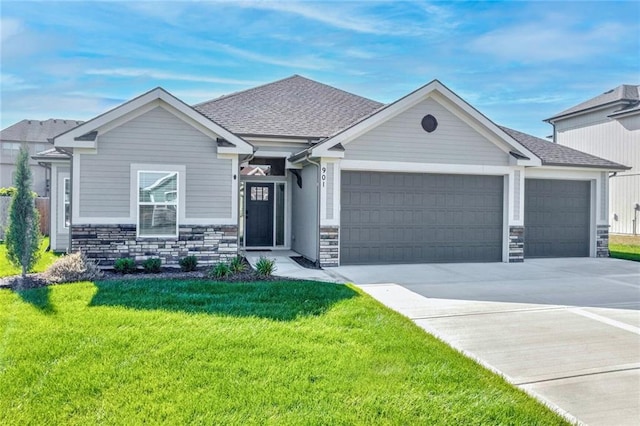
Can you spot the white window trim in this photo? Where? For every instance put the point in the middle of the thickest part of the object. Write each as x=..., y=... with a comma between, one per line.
x=134, y=197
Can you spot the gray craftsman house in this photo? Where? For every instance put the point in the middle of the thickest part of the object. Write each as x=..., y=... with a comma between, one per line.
x=336, y=177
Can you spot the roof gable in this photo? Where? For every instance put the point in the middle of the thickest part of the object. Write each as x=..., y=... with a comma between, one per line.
x=79, y=136
x=293, y=107
x=628, y=94
x=439, y=92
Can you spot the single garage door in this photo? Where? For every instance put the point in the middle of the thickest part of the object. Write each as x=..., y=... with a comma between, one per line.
x=556, y=218
x=416, y=218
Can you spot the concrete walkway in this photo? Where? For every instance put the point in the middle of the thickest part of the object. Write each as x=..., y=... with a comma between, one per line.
x=288, y=268
x=564, y=330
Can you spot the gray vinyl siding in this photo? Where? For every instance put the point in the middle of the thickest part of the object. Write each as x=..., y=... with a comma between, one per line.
x=402, y=138
x=305, y=214
x=330, y=182
x=62, y=233
x=616, y=140
x=156, y=137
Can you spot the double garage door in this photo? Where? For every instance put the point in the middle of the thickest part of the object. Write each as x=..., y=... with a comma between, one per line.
x=415, y=218
x=427, y=218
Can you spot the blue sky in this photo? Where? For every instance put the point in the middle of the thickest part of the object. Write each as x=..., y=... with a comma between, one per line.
x=517, y=62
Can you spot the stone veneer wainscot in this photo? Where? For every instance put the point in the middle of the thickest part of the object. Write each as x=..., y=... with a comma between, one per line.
x=602, y=241
x=107, y=243
x=329, y=246
x=516, y=244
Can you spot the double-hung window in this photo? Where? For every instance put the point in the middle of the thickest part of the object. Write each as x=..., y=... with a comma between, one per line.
x=157, y=204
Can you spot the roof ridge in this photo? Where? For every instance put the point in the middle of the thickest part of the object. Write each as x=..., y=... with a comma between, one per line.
x=232, y=94
x=338, y=89
x=294, y=76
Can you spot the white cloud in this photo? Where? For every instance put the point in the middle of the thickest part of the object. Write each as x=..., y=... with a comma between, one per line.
x=343, y=15
x=8, y=28
x=547, y=42
x=161, y=75
x=10, y=82
x=309, y=62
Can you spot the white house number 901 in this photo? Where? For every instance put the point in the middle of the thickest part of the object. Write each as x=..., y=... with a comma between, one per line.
x=324, y=176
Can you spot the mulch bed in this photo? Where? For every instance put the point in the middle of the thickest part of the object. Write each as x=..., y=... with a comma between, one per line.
x=40, y=280
x=17, y=283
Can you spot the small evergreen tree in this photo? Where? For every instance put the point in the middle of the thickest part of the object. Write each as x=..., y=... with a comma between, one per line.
x=23, y=233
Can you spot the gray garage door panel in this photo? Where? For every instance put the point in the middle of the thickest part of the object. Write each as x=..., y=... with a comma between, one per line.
x=413, y=218
x=557, y=218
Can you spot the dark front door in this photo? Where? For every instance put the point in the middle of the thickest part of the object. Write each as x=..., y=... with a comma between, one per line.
x=259, y=214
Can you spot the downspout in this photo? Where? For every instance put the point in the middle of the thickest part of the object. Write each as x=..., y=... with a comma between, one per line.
x=308, y=158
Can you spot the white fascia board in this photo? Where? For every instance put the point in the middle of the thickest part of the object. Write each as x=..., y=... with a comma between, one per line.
x=608, y=105
x=409, y=167
x=444, y=96
x=481, y=124
x=561, y=173
x=322, y=149
x=144, y=103
x=241, y=146
x=67, y=139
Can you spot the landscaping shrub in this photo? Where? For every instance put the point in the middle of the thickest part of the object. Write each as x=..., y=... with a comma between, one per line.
x=71, y=268
x=126, y=265
x=8, y=191
x=221, y=270
x=237, y=265
x=265, y=267
x=152, y=265
x=189, y=263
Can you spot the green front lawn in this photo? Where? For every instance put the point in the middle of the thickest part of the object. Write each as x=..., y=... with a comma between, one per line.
x=625, y=247
x=46, y=259
x=184, y=352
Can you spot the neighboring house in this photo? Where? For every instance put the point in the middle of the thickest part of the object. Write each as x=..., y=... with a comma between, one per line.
x=427, y=178
x=609, y=126
x=35, y=134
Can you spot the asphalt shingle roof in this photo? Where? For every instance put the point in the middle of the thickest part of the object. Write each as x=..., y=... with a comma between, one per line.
x=553, y=154
x=294, y=106
x=36, y=130
x=51, y=154
x=624, y=92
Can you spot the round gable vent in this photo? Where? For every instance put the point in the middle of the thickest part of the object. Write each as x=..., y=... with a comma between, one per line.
x=429, y=123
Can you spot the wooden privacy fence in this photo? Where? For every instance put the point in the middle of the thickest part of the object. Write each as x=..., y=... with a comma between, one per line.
x=42, y=204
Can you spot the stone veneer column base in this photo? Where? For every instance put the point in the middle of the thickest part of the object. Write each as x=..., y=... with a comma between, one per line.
x=516, y=244
x=602, y=241
x=107, y=243
x=329, y=246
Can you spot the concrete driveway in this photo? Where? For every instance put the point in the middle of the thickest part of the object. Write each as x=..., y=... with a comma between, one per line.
x=564, y=330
